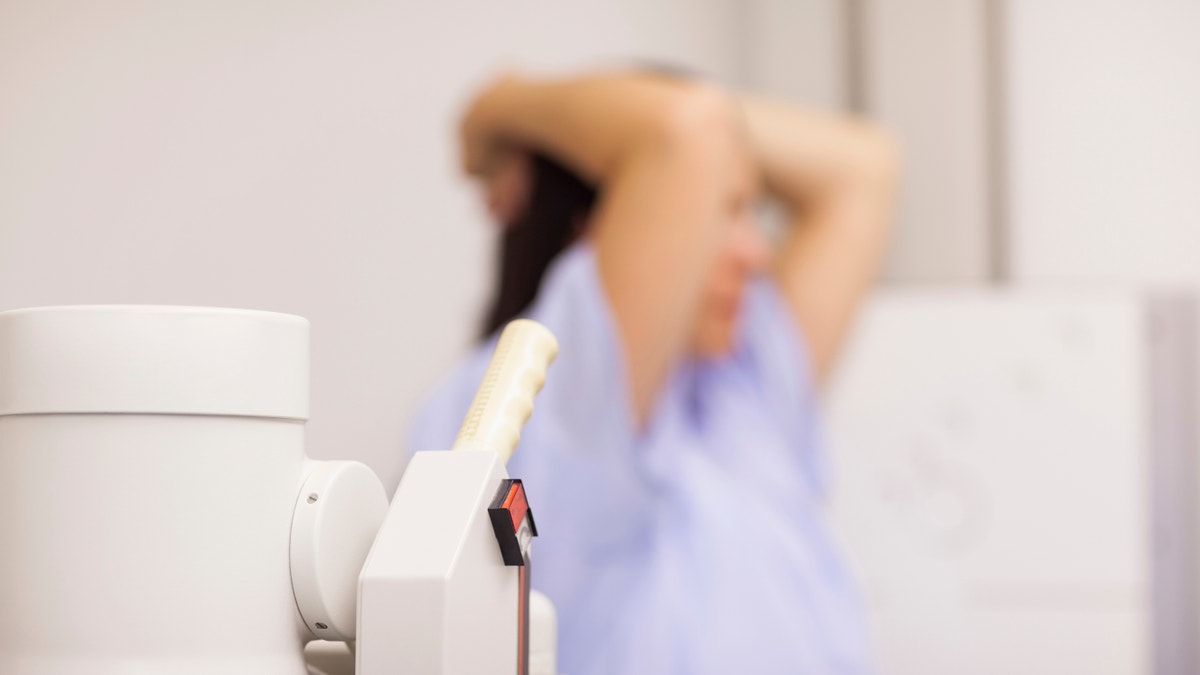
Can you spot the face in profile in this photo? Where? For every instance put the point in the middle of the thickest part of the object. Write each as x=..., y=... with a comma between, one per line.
x=743, y=254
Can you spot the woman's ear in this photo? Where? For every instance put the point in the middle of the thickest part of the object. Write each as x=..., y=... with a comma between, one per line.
x=508, y=182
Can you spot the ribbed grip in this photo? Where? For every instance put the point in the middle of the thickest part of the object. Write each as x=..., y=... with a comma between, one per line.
x=504, y=399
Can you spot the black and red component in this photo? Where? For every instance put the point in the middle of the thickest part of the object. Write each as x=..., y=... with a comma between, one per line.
x=513, y=523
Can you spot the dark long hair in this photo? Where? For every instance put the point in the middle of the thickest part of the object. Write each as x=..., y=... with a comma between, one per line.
x=559, y=205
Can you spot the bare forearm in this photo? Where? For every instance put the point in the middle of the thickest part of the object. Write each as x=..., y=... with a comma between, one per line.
x=592, y=122
x=809, y=158
x=836, y=175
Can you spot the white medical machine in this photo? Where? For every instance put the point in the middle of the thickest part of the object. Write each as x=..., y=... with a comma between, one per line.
x=1017, y=475
x=158, y=514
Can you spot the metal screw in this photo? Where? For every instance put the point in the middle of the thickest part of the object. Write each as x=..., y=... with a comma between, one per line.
x=312, y=498
x=322, y=626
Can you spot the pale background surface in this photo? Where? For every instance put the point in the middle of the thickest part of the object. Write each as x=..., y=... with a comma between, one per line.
x=1105, y=131
x=298, y=156
x=286, y=156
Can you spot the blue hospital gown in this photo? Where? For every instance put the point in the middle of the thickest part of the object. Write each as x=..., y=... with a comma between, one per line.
x=696, y=545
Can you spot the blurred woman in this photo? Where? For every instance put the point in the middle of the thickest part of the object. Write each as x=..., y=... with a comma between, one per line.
x=673, y=458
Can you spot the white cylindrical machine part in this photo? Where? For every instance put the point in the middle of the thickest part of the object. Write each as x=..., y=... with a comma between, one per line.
x=149, y=465
x=543, y=635
x=146, y=359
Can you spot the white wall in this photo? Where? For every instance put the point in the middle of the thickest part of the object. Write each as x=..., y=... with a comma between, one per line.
x=796, y=49
x=298, y=156
x=291, y=156
x=918, y=67
x=1104, y=116
x=1099, y=124
x=925, y=78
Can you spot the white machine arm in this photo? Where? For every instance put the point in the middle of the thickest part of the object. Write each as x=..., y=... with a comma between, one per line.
x=160, y=513
x=437, y=595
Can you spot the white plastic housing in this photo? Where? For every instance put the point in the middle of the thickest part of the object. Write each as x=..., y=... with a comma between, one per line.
x=153, y=359
x=150, y=460
x=158, y=513
x=147, y=544
x=435, y=596
x=338, y=513
x=543, y=635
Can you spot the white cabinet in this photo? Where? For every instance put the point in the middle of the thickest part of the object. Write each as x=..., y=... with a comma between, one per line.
x=1015, y=477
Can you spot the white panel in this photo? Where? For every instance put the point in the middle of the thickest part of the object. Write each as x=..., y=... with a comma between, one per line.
x=993, y=481
x=1105, y=131
x=925, y=80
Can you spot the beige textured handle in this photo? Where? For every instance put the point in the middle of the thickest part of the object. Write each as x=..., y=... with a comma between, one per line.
x=504, y=399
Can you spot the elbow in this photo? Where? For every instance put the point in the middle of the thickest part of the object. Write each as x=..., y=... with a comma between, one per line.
x=687, y=123
x=695, y=111
x=696, y=119
x=697, y=131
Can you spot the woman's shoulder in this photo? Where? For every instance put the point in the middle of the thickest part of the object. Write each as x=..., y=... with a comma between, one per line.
x=584, y=384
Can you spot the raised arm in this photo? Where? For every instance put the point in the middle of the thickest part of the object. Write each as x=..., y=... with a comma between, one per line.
x=664, y=154
x=835, y=175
